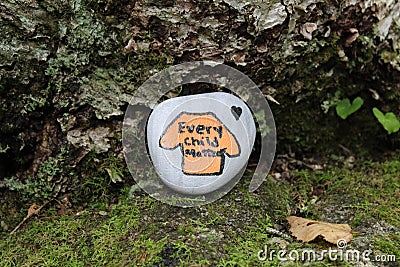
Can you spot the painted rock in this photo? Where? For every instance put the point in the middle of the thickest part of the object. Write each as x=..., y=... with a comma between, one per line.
x=200, y=143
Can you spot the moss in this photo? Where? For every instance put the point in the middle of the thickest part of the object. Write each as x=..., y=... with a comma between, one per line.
x=102, y=178
x=65, y=62
x=370, y=195
x=388, y=245
x=139, y=230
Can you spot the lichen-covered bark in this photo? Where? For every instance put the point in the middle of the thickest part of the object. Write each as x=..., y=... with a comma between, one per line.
x=68, y=68
x=306, y=54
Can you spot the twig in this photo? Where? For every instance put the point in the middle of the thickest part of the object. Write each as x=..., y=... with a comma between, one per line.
x=345, y=149
x=299, y=162
x=33, y=209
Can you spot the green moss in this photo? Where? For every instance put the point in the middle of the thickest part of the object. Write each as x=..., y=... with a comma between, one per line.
x=387, y=244
x=368, y=195
x=139, y=230
x=102, y=178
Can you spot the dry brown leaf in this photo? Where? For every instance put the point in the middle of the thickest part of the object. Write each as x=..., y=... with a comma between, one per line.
x=307, y=230
x=33, y=210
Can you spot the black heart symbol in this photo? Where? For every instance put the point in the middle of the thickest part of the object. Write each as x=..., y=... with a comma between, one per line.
x=236, y=111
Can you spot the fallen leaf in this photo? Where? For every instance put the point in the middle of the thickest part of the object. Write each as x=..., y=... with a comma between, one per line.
x=307, y=230
x=33, y=209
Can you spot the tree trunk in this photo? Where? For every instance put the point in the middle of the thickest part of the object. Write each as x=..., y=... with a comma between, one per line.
x=68, y=69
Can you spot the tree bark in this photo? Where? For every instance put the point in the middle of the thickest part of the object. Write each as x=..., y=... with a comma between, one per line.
x=68, y=69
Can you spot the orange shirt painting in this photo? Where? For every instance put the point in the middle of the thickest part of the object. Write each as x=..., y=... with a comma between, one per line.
x=204, y=141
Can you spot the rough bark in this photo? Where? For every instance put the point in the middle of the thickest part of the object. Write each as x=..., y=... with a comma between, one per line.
x=68, y=68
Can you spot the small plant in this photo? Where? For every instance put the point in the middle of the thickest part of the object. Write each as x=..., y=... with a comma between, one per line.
x=4, y=150
x=389, y=120
x=344, y=108
x=13, y=184
x=42, y=185
x=332, y=101
x=114, y=167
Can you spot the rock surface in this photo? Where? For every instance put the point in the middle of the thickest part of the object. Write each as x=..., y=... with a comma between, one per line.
x=199, y=143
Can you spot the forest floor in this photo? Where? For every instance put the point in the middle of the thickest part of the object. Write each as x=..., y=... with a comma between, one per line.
x=236, y=230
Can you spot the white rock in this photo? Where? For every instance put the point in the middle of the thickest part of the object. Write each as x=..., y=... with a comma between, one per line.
x=199, y=143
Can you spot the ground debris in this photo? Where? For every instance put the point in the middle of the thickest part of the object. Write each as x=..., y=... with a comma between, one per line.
x=307, y=230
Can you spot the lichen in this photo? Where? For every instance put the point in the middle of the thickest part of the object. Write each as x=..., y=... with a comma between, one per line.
x=267, y=16
x=104, y=93
x=92, y=139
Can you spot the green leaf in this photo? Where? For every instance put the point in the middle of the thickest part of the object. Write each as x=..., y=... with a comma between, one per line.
x=344, y=108
x=389, y=121
x=4, y=150
x=114, y=174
